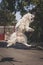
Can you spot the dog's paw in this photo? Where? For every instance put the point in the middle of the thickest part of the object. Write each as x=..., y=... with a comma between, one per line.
x=33, y=30
x=8, y=45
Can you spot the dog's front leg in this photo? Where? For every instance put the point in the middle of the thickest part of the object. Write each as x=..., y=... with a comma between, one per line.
x=29, y=29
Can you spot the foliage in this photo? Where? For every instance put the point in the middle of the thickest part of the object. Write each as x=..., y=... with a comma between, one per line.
x=38, y=23
x=6, y=17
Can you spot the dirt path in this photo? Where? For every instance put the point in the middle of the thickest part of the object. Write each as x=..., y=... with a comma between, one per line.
x=12, y=56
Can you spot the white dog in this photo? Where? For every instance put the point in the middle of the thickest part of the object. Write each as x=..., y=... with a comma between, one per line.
x=20, y=28
x=23, y=24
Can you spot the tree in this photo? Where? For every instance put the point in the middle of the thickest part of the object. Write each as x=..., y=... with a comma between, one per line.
x=6, y=17
x=38, y=24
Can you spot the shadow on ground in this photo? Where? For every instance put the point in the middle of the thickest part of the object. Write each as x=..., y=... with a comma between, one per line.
x=3, y=44
x=7, y=59
x=10, y=60
x=4, y=59
x=17, y=46
x=20, y=46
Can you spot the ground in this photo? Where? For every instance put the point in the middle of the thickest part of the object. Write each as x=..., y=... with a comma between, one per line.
x=17, y=56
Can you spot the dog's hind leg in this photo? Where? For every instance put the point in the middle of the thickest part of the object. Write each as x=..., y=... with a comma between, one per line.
x=10, y=42
x=27, y=45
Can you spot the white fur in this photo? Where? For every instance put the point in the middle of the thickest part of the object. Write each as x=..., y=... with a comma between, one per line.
x=21, y=27
x=24, y=23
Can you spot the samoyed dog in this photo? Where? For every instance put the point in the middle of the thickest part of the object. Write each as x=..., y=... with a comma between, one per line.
x=20, y=28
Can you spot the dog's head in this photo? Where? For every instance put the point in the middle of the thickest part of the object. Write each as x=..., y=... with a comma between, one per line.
x=29, y=17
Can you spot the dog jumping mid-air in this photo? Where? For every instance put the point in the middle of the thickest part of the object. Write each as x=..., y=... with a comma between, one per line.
x=20, y=28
